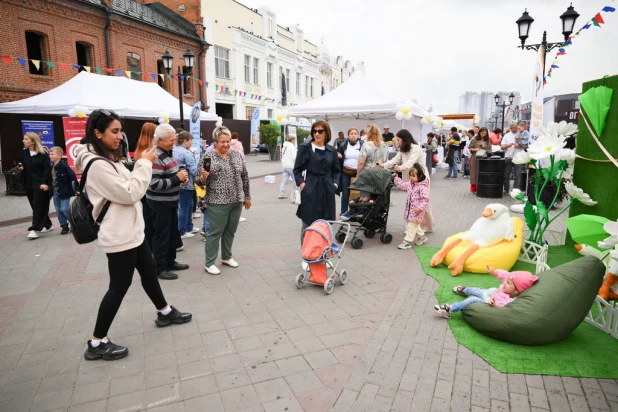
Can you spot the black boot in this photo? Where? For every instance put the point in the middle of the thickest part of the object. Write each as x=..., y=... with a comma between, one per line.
x=65, y=230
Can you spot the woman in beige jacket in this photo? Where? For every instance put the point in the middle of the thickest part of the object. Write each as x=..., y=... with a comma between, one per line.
x=121, y=233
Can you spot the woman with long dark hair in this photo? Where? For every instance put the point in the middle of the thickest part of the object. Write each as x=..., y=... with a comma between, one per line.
x=409, y=154
x=35, y=168
x=480, y=142
x=121, y=232
x=320, y=162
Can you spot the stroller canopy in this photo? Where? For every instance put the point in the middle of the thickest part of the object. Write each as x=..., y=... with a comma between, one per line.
x=318, y=242
x=374, y=180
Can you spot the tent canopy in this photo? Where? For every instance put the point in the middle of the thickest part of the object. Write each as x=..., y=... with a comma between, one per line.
x=128, y=98
x=357, y=97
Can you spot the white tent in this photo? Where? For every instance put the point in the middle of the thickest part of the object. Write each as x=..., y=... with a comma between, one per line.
x=128, y=98
x=358, y=103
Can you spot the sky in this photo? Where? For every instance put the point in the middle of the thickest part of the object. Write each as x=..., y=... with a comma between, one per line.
x=434, y=50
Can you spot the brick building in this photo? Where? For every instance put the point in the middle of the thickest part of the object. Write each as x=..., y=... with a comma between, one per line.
x=117, y=34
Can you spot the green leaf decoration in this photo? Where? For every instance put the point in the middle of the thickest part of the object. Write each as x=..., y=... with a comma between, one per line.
x=530, y=216
x=543, y=210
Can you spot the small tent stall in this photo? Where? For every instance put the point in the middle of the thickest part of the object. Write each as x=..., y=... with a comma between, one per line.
x=358, y=103
x=134, y=101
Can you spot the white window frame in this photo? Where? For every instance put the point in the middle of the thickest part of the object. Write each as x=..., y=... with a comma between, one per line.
x=247, y=69
x=287, y=80
x=298, y=89
x=256, y=71
x=269, y=75
x=311, y=90
x=222, y=62
x=307, y=86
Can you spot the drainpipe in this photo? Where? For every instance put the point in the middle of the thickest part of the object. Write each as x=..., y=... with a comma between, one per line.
x=108, y=22
x=199, y=68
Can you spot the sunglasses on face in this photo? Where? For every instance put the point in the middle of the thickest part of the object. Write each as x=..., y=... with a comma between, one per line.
x=319, y=131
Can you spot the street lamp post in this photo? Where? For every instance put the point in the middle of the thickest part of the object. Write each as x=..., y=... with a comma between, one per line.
x=525, y=22
x=503, y=105
x=168, y=63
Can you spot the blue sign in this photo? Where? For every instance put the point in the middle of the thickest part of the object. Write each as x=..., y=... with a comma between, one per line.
x=44, y=129
x=194, y=129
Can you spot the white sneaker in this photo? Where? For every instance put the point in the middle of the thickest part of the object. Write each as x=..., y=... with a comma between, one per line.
x=180, y=249
x=213, y=270
x=187, y=235
x=47, y=230
x=242, y=219
x=195, y=230
x=33, y=235
x=230, y=263
x=197, y=215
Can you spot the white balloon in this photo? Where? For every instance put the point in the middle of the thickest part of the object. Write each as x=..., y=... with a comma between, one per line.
x=399, y=116
x=423, y=121
x=407, y=116
x=72, y=113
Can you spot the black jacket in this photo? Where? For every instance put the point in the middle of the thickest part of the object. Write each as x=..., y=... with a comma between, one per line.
x=323, y=173
x=37, y=170
x=64, y=180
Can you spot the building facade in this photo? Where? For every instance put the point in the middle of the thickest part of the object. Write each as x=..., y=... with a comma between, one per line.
x=59, y=38
x=253, y=59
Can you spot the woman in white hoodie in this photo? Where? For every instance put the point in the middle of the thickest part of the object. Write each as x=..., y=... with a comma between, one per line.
x=121, y=233
x=288, y=157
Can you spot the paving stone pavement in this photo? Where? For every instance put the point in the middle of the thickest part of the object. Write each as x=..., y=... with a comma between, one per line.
x=256, y=342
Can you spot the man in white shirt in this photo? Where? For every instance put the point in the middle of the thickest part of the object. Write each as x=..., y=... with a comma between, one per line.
x=512, y=143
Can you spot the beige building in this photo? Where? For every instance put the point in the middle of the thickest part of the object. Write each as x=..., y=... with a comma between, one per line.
x=250, y=55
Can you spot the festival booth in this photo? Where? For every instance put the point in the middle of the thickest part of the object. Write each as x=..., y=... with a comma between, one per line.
x=358, y=103
x=134, y=101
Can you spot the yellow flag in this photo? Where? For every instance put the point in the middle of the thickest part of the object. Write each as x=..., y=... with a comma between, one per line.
x=128, y=73
x=162, y=77
x=37, y=63
x=87, y=68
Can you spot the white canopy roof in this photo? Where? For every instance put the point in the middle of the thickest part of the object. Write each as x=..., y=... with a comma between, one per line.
x=356, y=98
x=128, y=98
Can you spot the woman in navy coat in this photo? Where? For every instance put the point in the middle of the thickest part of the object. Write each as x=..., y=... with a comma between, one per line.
x=320, y=162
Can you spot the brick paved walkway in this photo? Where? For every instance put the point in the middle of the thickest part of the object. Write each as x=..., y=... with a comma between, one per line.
x=256, y=342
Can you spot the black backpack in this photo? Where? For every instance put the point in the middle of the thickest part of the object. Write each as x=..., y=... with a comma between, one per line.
x=83, y=226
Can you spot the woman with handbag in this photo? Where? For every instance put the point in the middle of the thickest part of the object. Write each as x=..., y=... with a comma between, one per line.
x=431, y=148
x=35, y=175
x=121, y=232
x=348, y=154
x=319, y=161
x=288, y=157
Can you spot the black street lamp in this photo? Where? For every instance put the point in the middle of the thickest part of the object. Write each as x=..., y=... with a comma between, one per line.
x=525, y=22
x=168, y=63
x=503, y=105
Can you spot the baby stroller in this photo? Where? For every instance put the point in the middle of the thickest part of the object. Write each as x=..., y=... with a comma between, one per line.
x=319, y=251
x=378, y=182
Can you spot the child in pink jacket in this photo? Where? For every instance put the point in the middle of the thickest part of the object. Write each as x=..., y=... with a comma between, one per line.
x=416, y=202
x=513, y=283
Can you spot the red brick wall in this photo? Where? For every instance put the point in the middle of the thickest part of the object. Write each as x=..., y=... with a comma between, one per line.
x=66, y=22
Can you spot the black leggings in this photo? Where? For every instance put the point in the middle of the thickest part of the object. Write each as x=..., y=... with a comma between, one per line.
x=121, y=268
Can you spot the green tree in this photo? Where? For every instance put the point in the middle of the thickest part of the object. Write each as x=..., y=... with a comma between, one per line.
x=302, y=135
x=269, y=137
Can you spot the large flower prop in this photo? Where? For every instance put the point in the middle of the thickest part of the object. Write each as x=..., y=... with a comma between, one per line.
x=404, y=111
x=164, y=118
x=426, y=120
x=282, y=117
x=553, y=163
x=78, y=111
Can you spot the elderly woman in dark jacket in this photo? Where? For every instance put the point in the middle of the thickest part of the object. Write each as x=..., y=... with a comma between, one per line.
x=320, y=162
x=348, y=154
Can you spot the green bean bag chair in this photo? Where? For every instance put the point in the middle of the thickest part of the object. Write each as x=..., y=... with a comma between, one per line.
x=548, y=311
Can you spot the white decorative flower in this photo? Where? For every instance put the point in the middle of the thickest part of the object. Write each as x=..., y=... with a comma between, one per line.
x=566, y=154
x=577, y=193
x=164, y=118
x=561, y=129
x=521, y=158
x=404, y=111
x=282, y=117
x=545, y=146
x=426, y=120
x=568, y=173
x=517, y=194
x=219, y=121
x=78, y=111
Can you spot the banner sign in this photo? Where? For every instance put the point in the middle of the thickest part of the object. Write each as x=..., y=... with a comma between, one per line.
x=536, y=119
x=74, y=131
x=44, y=129
x=255, y=123
x=194, y=129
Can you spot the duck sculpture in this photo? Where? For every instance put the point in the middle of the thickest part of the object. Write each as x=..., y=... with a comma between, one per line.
x=493, y=227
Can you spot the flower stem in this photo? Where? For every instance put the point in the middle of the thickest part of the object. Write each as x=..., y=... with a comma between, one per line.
x=561, y=212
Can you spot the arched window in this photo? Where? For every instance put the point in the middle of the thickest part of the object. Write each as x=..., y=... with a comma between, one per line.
x=36, y=45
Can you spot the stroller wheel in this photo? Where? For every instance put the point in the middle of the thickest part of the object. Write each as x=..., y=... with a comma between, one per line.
x=357, y=243
x=343, y=277
x=329, y=286
x=369, y=233
x=300, y=280
x=386, y=238
x=340, y=237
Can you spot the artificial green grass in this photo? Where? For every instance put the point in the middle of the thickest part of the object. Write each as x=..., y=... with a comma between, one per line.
x=587, y=352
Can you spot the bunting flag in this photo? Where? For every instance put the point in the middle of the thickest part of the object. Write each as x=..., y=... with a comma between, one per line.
x=37, y=63
x=109, y=70
x=169, y=76
x=63, y=66
x=182, y=78
x=50, y=65
x=608, y=9
x=119, y=72
x=128, y=73
x=201, y=82
x=599, y=19
x=22, y=61
x=154, y=76
x=6, y=59
x=99, y=70
x=553, y=66
x=87, y=68
x=77, y=66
